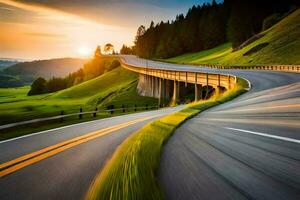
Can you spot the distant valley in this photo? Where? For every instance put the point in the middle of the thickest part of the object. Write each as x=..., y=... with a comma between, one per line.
x=14, y=73
x=4, y=63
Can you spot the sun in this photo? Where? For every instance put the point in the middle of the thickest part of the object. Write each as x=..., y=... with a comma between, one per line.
x=84, y=51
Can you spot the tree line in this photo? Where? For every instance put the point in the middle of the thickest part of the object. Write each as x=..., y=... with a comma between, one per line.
x=92, y=69
x=207, y=26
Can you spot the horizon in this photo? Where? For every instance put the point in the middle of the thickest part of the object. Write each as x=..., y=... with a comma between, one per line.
x=33, y=30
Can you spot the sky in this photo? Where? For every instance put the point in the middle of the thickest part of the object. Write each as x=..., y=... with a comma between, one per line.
x=42, y=29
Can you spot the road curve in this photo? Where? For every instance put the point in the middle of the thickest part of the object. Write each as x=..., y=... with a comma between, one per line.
x=248, y=148
x=66, y=174
x=209, y=157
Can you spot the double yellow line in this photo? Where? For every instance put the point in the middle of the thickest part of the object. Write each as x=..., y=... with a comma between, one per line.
x=31, y=158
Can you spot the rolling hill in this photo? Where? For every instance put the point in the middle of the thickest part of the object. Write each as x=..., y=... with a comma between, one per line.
x=26, y=72
x=116, y=87
x=277, y=45
x=4, y=63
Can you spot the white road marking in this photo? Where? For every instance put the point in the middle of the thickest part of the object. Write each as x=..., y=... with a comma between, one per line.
x=72, y=125
x=261, y=107
x=266, y=135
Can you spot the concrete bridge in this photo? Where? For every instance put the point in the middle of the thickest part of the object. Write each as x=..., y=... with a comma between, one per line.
x=166, y=84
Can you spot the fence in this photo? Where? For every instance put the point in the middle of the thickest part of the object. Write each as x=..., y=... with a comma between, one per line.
x=80, y=115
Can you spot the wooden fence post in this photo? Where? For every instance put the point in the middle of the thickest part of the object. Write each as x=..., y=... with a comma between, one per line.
x=95, y=113
x=80, y=115
x=62, y=113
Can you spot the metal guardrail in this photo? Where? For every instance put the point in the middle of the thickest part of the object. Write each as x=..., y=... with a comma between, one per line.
x=282, y=68
x=79, y=114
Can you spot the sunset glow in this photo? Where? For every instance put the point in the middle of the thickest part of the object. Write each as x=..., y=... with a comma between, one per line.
x=34, y=29
x=50, y=33
x=85, y=51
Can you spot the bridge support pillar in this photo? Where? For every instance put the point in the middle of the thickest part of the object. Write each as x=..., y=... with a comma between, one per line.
x=175, y=91
x=152, y=85
x=160, y=91
x=229, y=84
x=198, y=92
x=167, y=89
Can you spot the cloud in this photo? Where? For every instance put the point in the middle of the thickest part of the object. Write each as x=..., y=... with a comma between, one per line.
x=6, y=9
x=126, y=13
x=62, y=26
x=46, y=35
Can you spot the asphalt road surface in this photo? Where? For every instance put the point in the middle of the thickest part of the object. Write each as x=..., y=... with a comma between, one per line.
x=68, y=173
x=248, y=148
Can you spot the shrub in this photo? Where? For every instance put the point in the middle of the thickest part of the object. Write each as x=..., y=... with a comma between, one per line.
x=38, y=87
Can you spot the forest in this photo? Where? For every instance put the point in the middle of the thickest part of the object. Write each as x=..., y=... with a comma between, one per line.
x=209, y=25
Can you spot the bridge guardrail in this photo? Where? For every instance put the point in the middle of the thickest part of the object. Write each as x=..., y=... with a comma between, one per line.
x=215, y=79
x=283, y=68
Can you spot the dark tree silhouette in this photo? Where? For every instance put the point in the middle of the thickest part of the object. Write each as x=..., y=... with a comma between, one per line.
x=126, y=50
x=38, y=87
x=108, y=48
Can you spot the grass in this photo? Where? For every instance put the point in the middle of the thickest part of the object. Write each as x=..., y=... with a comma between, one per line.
x=207, y=56
x=283, y=41
x=46, y=125
x=115, y=87
x=130, y=173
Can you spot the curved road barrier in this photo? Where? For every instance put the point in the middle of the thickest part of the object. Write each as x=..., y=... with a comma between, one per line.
x=164, y=83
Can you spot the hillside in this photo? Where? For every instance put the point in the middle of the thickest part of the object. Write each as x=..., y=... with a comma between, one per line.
x=104, y=90
x=4, y=63
x=26, y=72
x=116, y=87
x=278, y=45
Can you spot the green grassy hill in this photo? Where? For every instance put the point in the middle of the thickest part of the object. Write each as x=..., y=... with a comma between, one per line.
x=116, y=87
x=278, y=45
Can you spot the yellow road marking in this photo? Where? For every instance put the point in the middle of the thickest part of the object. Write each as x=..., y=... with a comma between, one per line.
x=31, y=158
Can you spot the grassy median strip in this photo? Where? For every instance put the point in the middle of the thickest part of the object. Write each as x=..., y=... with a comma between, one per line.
x=130, y=173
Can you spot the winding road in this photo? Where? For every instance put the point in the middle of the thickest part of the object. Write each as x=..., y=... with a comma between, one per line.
x=248, y=148
x=64, y=168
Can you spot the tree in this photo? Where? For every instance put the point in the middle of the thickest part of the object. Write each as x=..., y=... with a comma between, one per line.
x=38, y=87
x=108, y=48
x=98, y=52
x=140, y=32
x=56, y=84
x=126, y=50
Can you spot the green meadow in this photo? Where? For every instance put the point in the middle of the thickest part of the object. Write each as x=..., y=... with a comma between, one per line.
x=117, y=87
